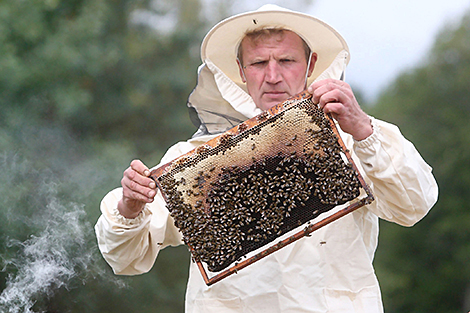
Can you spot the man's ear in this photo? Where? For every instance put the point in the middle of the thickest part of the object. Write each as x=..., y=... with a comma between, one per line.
x=241, y=71
x=313, y=60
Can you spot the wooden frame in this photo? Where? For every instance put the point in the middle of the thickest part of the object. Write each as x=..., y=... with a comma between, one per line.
x=187, y=158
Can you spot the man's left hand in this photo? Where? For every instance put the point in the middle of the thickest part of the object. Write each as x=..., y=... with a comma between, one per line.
x=336, y=97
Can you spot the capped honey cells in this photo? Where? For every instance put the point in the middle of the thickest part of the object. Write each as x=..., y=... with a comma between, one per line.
x=256, y=182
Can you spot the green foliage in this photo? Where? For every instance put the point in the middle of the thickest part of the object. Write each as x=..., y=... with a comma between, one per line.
x=426, y=268
x=85, y=65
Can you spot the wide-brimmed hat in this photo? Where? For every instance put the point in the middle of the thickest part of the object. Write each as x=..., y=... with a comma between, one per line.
x=221, y=43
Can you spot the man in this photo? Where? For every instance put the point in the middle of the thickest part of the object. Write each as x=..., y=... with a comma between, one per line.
x=251, y=62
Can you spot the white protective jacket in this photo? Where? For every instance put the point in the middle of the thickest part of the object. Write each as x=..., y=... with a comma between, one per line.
x=331, y=271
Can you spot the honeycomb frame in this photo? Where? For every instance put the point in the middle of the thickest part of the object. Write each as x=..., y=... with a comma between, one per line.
x=267, y=178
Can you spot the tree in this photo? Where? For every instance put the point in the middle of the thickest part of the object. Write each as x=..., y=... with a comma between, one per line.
x=84, y=65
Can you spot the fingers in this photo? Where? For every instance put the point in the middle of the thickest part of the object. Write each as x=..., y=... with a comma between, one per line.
x=331, y=95
x=136, y=183
x=140, y=168
x=336, y=98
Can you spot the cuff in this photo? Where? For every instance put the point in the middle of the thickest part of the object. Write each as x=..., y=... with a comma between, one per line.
x=130, y=222
x=365, y=143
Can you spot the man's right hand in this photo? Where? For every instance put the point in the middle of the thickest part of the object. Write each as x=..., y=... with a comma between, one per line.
x=138, y=189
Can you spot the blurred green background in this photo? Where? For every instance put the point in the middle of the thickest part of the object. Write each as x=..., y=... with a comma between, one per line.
x=88, y=85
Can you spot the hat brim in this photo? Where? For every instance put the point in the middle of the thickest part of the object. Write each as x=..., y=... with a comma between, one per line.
x=221, y=42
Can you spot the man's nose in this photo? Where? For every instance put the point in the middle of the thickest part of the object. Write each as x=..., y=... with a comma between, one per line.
x=273, y=72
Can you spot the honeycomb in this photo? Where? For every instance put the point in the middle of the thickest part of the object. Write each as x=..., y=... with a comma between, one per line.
x=256, y=182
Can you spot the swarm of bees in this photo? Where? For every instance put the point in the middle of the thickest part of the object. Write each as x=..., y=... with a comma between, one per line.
x=257, y=185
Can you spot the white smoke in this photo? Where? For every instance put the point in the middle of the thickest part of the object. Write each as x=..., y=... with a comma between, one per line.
x=60, y=250
x=47, y=261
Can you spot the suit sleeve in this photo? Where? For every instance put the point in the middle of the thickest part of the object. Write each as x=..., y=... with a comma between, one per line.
x=131, y=246
x=403, y=184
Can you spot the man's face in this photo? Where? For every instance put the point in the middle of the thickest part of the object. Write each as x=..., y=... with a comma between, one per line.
x=274, y=68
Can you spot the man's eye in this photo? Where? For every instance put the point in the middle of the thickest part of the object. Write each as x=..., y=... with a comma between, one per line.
x=258, y=63
x=286, y=60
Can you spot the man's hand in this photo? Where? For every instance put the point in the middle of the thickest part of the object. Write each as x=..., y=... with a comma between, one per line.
x=138, y=189
x=336, y=97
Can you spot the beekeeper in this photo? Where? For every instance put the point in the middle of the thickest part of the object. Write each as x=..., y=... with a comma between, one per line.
x=251, y=62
